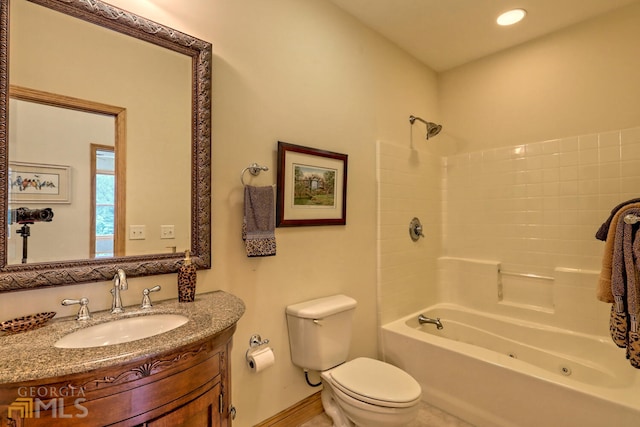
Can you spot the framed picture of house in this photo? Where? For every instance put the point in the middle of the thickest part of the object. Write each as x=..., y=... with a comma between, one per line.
x=312, y=186
x=38, y=183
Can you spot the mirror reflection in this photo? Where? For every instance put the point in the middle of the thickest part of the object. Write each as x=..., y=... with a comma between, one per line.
x=153, y=207
x=105, y=142
x=57, y=176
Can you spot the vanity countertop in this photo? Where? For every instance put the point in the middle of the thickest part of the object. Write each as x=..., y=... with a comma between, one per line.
x=31, y=355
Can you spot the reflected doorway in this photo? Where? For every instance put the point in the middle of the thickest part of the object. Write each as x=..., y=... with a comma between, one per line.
x=88, y=139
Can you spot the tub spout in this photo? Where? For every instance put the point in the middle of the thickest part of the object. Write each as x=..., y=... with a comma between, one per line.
x=422, y=319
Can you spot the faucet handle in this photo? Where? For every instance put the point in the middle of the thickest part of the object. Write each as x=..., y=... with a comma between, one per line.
x=83, y=312
x=146, y=300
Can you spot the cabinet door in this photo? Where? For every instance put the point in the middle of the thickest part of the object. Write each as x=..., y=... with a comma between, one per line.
x=201, y=412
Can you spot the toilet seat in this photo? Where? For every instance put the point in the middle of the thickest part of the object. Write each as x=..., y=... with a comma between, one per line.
x=375, y=382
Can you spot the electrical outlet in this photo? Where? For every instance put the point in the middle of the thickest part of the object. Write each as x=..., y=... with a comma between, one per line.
x=167, y=232
x=137, y=232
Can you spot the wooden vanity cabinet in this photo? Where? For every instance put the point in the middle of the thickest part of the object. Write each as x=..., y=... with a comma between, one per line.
x=199, y=412
x=187, y=386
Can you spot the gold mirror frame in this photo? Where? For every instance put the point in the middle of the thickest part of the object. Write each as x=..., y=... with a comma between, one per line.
x=38, y=275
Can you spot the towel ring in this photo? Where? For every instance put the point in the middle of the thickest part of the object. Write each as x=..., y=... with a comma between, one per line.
x=254, y=169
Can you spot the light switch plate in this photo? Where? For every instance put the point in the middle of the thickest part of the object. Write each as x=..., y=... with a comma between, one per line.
x=167, y=232
x=137, y=232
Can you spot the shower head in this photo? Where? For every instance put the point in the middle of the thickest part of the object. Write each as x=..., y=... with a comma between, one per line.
x=432, y=128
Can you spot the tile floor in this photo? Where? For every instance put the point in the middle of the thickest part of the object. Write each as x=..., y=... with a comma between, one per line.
x=429, y=416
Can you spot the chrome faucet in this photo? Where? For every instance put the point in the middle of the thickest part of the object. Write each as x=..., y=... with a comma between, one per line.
x=119, y=284
x=422, y=319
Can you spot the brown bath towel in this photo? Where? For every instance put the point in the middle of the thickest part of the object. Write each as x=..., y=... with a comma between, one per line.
x=258, y=226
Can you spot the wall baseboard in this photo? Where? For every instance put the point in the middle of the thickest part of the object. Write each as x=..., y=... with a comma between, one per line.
x=297, y=414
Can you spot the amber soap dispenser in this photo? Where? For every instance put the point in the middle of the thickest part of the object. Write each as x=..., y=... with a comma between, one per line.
x=187, y=279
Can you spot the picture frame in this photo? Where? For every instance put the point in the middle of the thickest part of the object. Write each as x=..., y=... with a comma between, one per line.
x=311, y=186
x=38, y=183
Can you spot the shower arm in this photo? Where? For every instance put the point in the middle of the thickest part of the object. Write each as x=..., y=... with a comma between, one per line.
x=412, y=120
x=432, y=128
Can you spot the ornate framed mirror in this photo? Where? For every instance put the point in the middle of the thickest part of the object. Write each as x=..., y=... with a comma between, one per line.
x=167, y=150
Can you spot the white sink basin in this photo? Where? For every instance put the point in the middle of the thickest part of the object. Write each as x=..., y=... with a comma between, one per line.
x=121, y=331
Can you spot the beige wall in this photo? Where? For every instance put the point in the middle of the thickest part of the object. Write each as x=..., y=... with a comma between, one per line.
x=305, y=73
x=578, y=81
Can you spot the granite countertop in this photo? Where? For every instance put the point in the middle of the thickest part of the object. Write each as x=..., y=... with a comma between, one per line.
x=31, y=355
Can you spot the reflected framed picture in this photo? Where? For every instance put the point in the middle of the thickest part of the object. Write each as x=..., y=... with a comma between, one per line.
x=38, y=183
x=312, y=186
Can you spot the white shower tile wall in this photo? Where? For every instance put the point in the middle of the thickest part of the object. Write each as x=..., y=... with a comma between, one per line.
x=409, y=185
x=536, y=207
x=530, y=208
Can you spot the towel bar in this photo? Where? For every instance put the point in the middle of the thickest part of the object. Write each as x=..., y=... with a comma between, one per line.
x=254, y=169
x=631, y=219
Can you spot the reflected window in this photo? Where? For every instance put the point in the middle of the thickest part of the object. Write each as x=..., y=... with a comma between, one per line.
x=103, y=201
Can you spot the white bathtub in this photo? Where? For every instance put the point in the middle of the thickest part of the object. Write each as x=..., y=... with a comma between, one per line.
x=497, y=371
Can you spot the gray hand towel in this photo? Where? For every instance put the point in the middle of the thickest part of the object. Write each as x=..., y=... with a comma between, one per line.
x=258, y=226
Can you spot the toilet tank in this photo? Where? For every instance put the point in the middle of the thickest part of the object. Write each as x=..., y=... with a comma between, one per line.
x=320, y=331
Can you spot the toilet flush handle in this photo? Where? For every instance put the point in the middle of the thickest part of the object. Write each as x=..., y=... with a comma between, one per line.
x=317, y=322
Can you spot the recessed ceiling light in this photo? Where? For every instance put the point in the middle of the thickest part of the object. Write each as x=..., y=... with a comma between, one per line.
x=511, y=17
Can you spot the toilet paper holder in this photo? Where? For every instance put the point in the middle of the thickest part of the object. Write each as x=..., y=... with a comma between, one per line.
x=255, y=341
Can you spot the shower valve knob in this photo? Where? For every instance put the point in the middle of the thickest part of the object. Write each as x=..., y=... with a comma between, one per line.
x=415, y=229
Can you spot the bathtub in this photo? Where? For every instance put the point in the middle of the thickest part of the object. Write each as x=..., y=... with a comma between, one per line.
x=495, y=371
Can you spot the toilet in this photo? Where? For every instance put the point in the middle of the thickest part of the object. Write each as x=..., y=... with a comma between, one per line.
x=359, y=392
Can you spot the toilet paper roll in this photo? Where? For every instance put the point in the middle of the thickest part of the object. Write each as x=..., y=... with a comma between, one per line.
x=260, y=360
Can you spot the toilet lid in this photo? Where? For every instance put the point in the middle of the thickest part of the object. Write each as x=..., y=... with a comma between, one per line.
x=376, y=382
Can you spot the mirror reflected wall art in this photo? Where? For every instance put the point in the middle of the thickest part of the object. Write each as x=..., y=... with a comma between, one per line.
x=105, y=144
